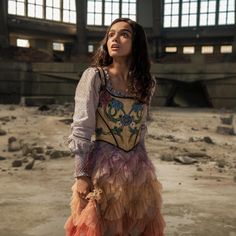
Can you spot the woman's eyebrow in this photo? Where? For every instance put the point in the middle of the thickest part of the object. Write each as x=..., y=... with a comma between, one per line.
x=127, y=30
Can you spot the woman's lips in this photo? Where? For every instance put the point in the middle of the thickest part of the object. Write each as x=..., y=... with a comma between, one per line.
x=115, y=46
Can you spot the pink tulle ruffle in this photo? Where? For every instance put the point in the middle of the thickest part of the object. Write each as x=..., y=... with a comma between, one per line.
x=126, y=197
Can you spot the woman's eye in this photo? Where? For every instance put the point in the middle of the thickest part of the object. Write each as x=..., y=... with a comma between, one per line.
x=125, y=35
x=110, y=35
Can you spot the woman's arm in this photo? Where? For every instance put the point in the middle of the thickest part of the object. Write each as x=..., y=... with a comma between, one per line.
x=84, y=119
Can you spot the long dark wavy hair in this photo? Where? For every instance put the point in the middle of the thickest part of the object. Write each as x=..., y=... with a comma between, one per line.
x=140, y=80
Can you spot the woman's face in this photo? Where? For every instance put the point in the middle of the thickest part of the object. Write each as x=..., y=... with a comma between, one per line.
x=119, y=41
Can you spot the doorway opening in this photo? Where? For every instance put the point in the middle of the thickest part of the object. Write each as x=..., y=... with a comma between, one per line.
x=185, y=94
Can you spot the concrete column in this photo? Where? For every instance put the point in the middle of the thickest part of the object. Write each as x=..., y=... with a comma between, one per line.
x=157, y=25
x=4, y=37
x=145, y=13
x=234, y=42
x=81, y=37
x=157, y=14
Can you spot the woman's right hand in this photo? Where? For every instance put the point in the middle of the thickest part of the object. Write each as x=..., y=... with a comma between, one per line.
x=84, y=186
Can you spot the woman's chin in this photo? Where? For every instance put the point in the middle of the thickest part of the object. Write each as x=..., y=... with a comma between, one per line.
x=118, y=55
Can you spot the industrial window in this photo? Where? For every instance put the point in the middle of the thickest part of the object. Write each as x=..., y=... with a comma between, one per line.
x=90, y=48
x=207, y=49
x=56, y=10
x=171, y=13
x=227, y=12
x=192, y=13
x=170, y=49
x=128, y=9
x=226, y=49
x=207, y=12
x=112, y=11
x=35, y=8
x=103, y=12
x=16, y=7
x=189, y=13
x=94, y=12
x=188, y=50
x=24, y=43
x=53, y=11
x=58, y=46
x=69, y=11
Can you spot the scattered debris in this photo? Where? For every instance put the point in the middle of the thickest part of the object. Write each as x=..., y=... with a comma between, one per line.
x=38, y=149
x=66, y=121
x=221, y=163
x=55, y=154
x=26, y=149
x=194, y=129
x=205, y=139
x=13, y=145
x=199, y=169
x=227, y=120
x=2, y=158
x=44, y=108
x=7, y=118
x=167, y=157
x=66, y=109
x=225, y=129
x=197, y=154
x=30, y=165
x=185, y=160
x=208, y=139
x=2, y=132
x=12, y=108
x=17, y=163
x=39, y=157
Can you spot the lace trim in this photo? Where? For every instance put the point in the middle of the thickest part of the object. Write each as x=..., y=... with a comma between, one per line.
x=81, y=167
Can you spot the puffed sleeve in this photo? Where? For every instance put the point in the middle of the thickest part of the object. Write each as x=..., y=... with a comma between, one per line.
x=84, y=120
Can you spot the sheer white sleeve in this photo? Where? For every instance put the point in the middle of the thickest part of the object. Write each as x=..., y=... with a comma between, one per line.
x=84, y=119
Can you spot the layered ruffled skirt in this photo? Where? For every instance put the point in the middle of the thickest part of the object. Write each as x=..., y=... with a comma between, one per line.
x=126, y=198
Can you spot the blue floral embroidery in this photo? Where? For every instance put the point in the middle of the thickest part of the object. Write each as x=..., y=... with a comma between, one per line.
x=117, y=130
x=126, y=120
x=137, y=107
x=133, y=131
x=116, y=104
x=115, y=113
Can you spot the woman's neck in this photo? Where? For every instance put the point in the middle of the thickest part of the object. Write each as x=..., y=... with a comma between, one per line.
x=120, y=69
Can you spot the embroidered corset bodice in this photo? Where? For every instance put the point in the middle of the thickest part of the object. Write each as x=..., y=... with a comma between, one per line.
x=118, y=120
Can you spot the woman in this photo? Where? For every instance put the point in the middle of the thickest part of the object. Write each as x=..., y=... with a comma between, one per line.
x=116, y=191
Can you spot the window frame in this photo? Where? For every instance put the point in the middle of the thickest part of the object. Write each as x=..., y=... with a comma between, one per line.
x=23, y=41
x=170, y=15
x=227, y=11
x=229, y=21
x=103, y=18
x=45, y=6
x=189, y=13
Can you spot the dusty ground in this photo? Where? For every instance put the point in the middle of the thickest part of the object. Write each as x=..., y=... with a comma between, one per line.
x=199, y=199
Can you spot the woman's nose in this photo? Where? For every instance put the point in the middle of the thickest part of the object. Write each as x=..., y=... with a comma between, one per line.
x=115, y=38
